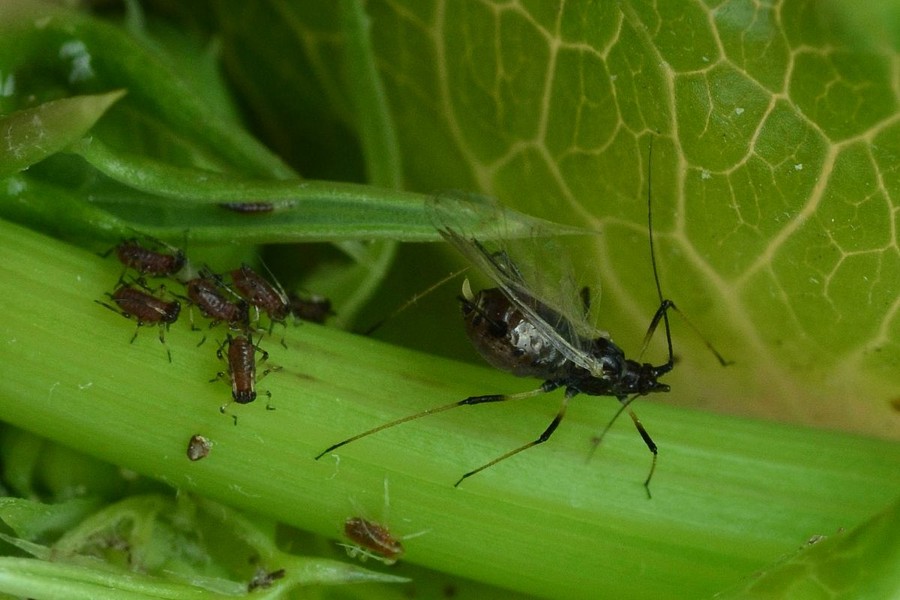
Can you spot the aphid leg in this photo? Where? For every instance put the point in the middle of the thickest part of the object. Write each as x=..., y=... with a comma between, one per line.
x=651, y=445
x=264, y=356
x=561, y=413
x=224, y=408
x=162, y=339
x=662, y=313
x=283, y=333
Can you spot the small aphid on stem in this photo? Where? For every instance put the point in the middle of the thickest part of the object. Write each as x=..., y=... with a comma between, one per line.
x=145, y=261
x=315, y=309
x=145, y=308
x=260, y=293
x=207, y=294
x=249, y=207
x=372, y=540
x=241, y=363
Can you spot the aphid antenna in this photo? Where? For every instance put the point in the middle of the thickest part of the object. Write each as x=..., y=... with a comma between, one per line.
x=664, y=303
x=414, y=299
x=275, y=281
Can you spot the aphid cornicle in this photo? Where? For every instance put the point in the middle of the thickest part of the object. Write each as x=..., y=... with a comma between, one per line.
x=529, y=329
x=145, y=308
x=149, y=262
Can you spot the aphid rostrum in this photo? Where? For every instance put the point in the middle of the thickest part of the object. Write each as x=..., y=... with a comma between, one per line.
x=240, y=358
x=145, y=261
x=145, y=308
x=528, y=326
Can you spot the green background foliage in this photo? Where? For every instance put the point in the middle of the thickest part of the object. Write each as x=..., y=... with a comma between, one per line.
x=775, y=176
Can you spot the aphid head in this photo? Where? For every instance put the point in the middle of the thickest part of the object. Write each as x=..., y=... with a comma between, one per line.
x=647, y=381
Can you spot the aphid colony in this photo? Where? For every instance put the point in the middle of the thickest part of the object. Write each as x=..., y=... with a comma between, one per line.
x=237, y=300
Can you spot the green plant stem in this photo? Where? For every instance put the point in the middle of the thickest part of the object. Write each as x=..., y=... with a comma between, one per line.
x=730, y=496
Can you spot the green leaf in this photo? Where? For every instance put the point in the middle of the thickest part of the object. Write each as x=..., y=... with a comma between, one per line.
x=32, y=135
x=775, y=166
x=862, y=563
x=775, y=153
x=730, y=495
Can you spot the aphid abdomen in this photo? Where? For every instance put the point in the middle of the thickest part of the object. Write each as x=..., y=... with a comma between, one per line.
x=509, y=341
x=144, y=307
x=242, y=366
x=205, y=293
x=149, y=262
x=253, y=288
x=373, y=537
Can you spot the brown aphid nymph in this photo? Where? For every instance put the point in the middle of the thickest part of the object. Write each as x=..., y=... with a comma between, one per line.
x=145, y=308
x=149, y=262
x=260, y=293
x=315, y=309
x=241, y=361
x=373, y=539
x=206, y=294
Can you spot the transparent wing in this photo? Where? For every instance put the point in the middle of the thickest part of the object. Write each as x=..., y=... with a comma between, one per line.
x=524, y=256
